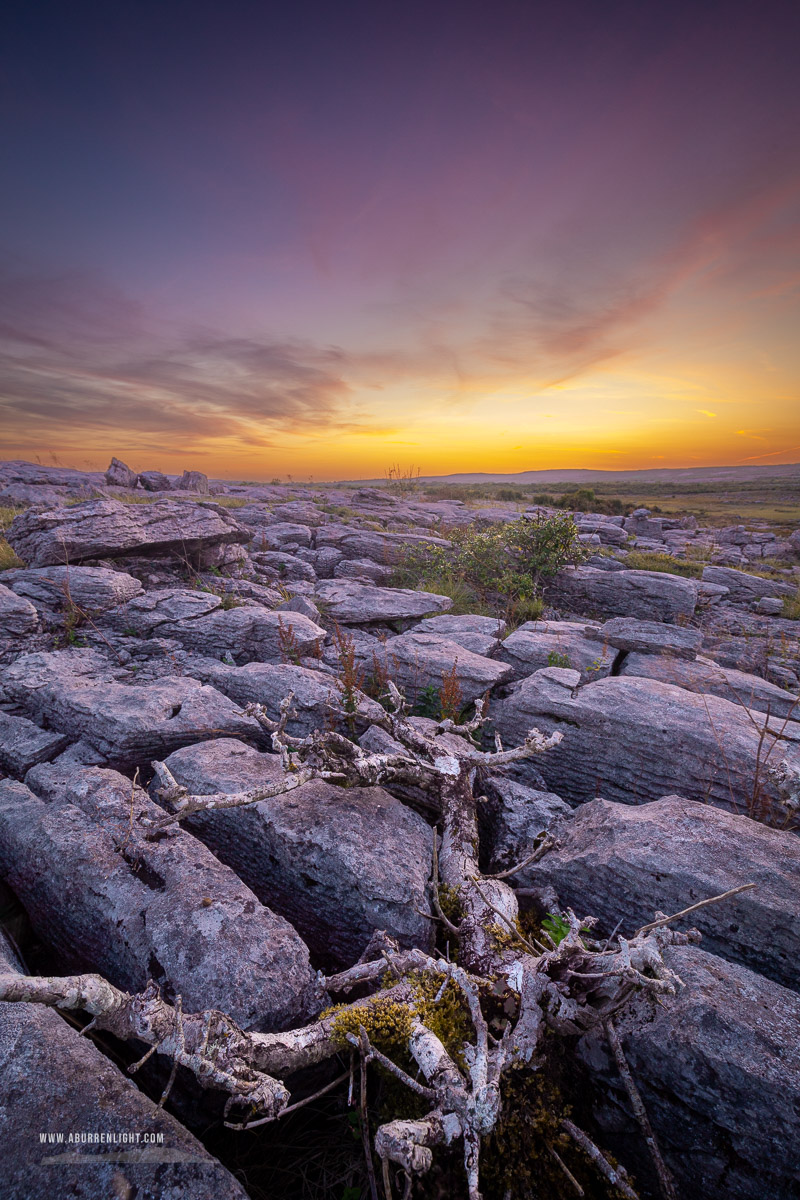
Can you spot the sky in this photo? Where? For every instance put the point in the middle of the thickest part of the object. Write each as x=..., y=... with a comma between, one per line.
x=323, y=240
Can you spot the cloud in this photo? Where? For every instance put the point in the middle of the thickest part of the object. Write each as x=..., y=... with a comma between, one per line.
x=75, y=354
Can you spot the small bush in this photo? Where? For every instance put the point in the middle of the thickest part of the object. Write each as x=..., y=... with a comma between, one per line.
x=585, y=500
x=502, y=564
x=451, y=700
x=349, y=674
x=288, y=643
x=554, y=659
x=522, y=609
x=402, y=479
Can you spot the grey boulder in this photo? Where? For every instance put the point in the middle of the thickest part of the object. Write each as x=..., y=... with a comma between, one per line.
x=744, y=588
x=338, y=863
x=512, y=816
x=23, y=744
x=120, y=475
x=647, y=637
x=17, y=615
x=110, y=529
x=538, y=644
x=707, y=677
x=652, y=595
x=355, y=603
x=105, y=898
x=154, y=481
x=622, y=862
x=718, y=1067
x=199, y=622
x=92, y=589
x=193, y=481
x=317, y=698
x=127, y=723
x=479, y=634
x=633, y=739
x=53, y=1081
x=420, y=661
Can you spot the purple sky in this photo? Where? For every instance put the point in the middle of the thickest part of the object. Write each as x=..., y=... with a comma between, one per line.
x=328, y=238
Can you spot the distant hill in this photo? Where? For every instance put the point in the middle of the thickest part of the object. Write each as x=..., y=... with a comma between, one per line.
x=593, y=475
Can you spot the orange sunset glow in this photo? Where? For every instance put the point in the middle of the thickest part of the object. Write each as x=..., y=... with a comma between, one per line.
x=451, y=240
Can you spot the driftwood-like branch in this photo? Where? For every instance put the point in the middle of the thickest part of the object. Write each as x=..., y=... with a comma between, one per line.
x=546, y=844
x=570, y=987
x=209, y=1044
x=663, y=920
x=616, y=1176
x=640, y=1112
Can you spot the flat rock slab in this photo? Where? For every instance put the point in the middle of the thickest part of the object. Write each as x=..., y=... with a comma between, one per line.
x=93, y=589
x=707, y=677
x=479, y=634
x=17, y=615
x=651, y=595
x=338, y=863
x=633, y=740
x=621, y=863
x=106, y=899
x=449, y=624
x=744, y=588
x=386, y=548
x=54, y=1080
x=127, y=723
x=198, y=620
x=23, y=744
x=147, y=614
x=317, y=698
x=360, y=568
x=419, y=661
x=355, y=603
x=538, y=644
x=718, y=1066
x=647, y=637
x=609, y=532
x=110, y=529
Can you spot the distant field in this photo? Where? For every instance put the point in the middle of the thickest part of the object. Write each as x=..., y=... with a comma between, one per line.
x=724, y=509
x=773, y=501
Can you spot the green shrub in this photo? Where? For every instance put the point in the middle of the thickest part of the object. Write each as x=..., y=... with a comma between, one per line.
x=497, y=564
x=554, y=659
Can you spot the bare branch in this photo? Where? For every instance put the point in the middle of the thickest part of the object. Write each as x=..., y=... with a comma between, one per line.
x=640, y=1112
x=662, y=920
x=538, y=853
x=616, y=1176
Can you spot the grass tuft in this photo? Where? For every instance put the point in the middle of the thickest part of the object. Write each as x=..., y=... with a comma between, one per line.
x=8, y=558
x=646, y=560
x=791, y=607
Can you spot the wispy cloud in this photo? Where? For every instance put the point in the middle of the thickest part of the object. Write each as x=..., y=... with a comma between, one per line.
x=77, y=355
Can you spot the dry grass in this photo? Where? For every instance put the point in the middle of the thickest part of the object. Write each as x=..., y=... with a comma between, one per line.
x=7, y=514
x=645, y=560
x=227, y=501
x=791, y=607
x=451, y=700
x=8, y=558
